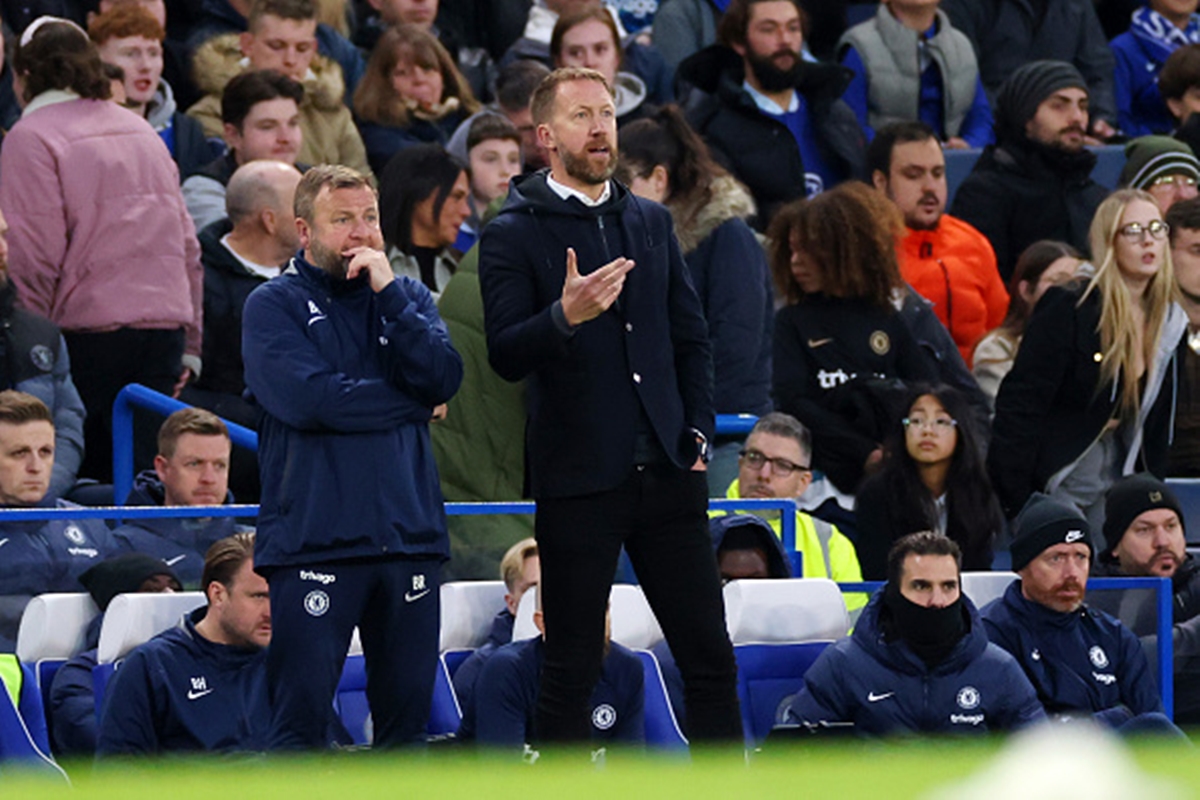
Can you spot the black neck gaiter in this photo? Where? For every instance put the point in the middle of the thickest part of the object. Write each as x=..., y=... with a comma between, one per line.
x=931, y=632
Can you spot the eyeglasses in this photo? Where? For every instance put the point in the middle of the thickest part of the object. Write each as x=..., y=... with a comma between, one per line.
x=1136, y=231
x=780, y=466
x=938, y=425
x=1179, y=181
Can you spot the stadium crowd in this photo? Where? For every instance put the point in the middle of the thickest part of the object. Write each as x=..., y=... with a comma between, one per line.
x=481, y=250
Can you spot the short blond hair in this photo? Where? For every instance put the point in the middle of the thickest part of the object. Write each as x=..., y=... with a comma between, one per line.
x=335, y=176
x=542, y=105
x=513, y=563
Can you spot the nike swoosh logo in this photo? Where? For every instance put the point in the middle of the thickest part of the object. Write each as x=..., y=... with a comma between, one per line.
x=170, y=562
x=875, y=698
x=3, y=541
x=315, y=319
x=194, y=695
x=409, y=597
x=815, y=343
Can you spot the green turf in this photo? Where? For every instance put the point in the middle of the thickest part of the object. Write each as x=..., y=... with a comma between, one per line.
x=832, y=772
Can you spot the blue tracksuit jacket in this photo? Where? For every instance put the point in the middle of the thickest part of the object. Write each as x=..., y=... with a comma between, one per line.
x=885, y=689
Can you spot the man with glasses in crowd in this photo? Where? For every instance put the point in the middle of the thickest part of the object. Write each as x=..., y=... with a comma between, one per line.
x=775, y=463
x=1162, y=166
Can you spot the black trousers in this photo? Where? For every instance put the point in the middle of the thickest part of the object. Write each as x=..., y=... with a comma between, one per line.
x=659, y=513
x=101, y=365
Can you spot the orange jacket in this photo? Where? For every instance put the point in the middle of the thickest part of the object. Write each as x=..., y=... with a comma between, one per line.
x=954, y=268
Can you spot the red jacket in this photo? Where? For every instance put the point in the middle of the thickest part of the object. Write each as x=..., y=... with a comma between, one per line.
x=954, y=268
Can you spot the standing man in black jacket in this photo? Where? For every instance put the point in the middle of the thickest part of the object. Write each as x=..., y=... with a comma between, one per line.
x=776, y=120
x=1035, y=182
x=586, y=294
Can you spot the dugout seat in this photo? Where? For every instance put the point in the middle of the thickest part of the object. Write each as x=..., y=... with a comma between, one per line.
x=24, y=744
x=52, y=631
x=778, y=628
x=468, y=608
x=633, y=623
x=662, y=727
x=984, y=587
x=350, y=701
x=1187, y=491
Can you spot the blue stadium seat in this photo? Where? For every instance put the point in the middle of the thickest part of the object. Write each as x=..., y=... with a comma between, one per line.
x=662, y=728
x=52, y=631
x=860, y=12
x=767, y=673
x=959, y=164
x=1187, y=490
x=350, y=701
x=1110, y=160
x=19, y=741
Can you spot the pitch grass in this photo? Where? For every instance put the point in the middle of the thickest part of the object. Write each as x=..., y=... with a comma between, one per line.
x=838, y=771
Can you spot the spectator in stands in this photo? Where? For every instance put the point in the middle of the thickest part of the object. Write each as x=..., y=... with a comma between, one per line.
x=588, y=37
x=217, y=17
x=423, y=203
x=1080, y=660
x=662, y=159
x=776, y=462
x=490, y=146
x=1034, y=183
x=348, y=363
x=842, y=351
x=282, y=36
x=1144, y=537
x=640, y=58
x=506, y=694
x=515, y=85
x=942, y=258
x=1091, y=393
x=933, y=479
x=107, y=252
x=39, y=555
x=1179, y=85
x=521, y=570
x=36, y=363
x=130, y=37
x=1183, y=458
x=1164, y=167
x=472, y=61
x=910, y=64
x=240, y=253
x=10, y=106
x=72, y=707
x=260, y=114
x=775, y=119
x=191, y=469
x=1159, y=28
x=200, y=686
x=412, y=93
x=1009, y=34
x=177, y=62
x=1042, y=265
x=919, y=660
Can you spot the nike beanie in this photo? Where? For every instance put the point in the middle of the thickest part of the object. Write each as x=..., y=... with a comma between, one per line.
x=1045, y=522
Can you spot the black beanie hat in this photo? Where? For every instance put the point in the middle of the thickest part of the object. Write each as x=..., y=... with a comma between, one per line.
x=1026, y=88
x=1045, y=522
x=1128, y=499
x=124, y=573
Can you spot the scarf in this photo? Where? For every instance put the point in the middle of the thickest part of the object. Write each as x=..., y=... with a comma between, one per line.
x=1158, y=37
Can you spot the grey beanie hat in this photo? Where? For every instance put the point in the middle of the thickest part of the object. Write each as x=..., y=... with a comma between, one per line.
x=1148, y=158
x=1026, y=88
x=1045, y=522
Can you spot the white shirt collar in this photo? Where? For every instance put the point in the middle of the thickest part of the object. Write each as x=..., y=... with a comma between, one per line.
x=769, y=106
x=566, y=191
x=258, y=269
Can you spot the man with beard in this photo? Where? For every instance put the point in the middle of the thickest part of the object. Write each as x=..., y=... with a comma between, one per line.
x=348, y=362
x=1035, y=182
x=919, y=659
x=1144, y=537
x=944, y=259
x=585, y=293
x=1082, y=661
x=776, y=120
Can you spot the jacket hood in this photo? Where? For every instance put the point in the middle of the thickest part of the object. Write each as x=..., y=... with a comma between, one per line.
x=778, y=564
x=718, y=70
x=531, y=193
x=630, y=92
x=219, y=59
x=730, y=200
x=897, y=655
x=161, y=107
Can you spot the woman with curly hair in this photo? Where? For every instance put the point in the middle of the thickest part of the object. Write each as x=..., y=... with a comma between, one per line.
x=843, y=352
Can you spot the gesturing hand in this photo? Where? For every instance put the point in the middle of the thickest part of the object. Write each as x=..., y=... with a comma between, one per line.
x=586, y=297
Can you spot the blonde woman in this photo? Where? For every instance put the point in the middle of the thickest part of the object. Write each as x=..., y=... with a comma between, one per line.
x=1089, y=397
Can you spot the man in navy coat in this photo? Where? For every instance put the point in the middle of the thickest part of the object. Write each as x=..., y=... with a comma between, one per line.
x=587, y=297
